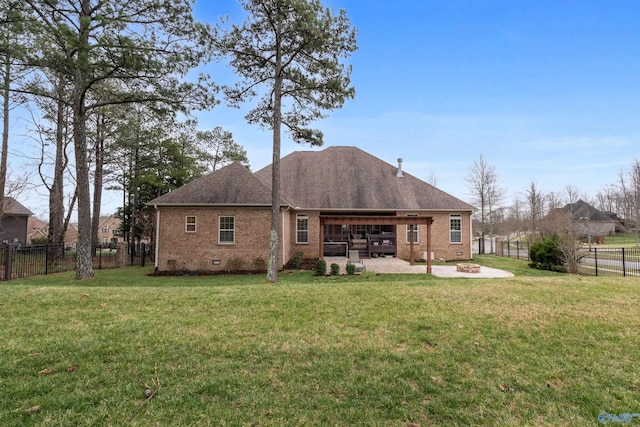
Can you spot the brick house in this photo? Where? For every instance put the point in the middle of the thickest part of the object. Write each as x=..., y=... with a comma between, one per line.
x=586, y=219
x=108, y=229
x=332, y=201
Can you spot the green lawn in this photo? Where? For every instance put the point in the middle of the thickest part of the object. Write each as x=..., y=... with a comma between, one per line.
x=620, y=240
x=536, y=349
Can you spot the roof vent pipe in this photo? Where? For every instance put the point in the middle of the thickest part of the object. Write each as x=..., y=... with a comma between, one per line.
x=399, y=174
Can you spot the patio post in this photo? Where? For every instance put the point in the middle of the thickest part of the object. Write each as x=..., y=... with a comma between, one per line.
x=411, y=255
x=321, y=239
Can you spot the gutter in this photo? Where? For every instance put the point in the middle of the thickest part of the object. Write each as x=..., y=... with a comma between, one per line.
x=157, y=237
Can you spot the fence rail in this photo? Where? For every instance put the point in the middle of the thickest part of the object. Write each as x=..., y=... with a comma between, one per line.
x=593, y=262
x=513, y=249
x=19, y=262
x=610, y=262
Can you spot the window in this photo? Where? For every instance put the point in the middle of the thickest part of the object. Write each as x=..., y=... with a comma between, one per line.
x=227, y=229
x=105, y=241
x=302, y=228
x=455, y=228
x=105, y=230
x=415, y=233
x=190, y=224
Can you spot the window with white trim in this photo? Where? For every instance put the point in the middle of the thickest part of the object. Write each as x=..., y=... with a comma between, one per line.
x=416, y=235
x=302, y=228
x=105, y=230
x=105, y=241
x=190, y=224
x=455, y=228
x=227, y=229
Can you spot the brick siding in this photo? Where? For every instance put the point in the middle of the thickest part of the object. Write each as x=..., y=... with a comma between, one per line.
x=179, y=249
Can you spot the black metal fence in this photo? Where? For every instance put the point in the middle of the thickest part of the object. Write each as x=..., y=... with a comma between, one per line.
x=513, y=249
x=18, y=261
x=610, y=262
x=593, y=262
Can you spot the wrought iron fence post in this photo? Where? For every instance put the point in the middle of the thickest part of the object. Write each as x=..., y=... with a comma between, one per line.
x=8, y=258
x=595, y=257
x=624, y=269
x=143, y=251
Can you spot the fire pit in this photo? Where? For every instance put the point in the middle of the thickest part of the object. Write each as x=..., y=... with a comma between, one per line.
x=468, y=268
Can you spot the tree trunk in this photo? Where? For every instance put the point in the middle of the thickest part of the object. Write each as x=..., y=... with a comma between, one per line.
x=84, y=267
x=98, y=179
x=5, y=128
x=272, y=270
x=56, y=193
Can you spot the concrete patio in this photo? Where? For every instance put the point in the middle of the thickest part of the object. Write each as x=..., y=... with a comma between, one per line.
x=399, y=266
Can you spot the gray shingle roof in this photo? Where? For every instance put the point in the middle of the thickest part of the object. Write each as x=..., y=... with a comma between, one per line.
x=11, y=206
x=582, y=210
x=233, y=184
x=336, y=178
x=348, y=178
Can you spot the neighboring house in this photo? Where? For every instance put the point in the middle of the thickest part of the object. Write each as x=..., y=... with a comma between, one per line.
x=587, y=219
x=13, y=221
x=40, y=229
x=36, y=230
x=332, y=200
x=108, y=230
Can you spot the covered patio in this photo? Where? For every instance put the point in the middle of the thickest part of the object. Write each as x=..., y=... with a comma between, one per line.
x=411, y=221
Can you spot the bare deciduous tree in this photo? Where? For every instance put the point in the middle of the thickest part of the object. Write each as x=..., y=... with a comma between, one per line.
x=535, y=205
x=486, y=193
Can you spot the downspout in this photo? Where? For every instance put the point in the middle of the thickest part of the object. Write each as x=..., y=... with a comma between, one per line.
x=470, y=237
x=283, y=243
x=157, y=237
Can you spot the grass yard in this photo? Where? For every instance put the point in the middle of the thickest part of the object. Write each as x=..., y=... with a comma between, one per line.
x=620, y=240
x=536, y=349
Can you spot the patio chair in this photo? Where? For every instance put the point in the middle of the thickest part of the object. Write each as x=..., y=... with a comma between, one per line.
x=354, y=258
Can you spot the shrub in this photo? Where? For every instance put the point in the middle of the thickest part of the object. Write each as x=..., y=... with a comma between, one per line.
x=351, y=269
x=335, y=269
x=234, y=264
x=547, y=255
x=321, y=268
x=296, y=260
x=368, y=273
x=260, y=264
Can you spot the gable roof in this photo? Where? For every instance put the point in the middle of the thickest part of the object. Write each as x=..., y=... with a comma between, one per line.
x=233, y=184
x=34, y=224
x=581, y=210
x=11, y=206
x=348, y=178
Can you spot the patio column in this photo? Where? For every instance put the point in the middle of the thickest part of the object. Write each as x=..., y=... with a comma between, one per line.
x=411, y=255
x=321, y=238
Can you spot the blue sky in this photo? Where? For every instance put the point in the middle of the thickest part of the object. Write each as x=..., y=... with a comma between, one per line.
x=546, y=91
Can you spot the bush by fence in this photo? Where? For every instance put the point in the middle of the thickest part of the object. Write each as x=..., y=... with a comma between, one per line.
x=593, y=262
